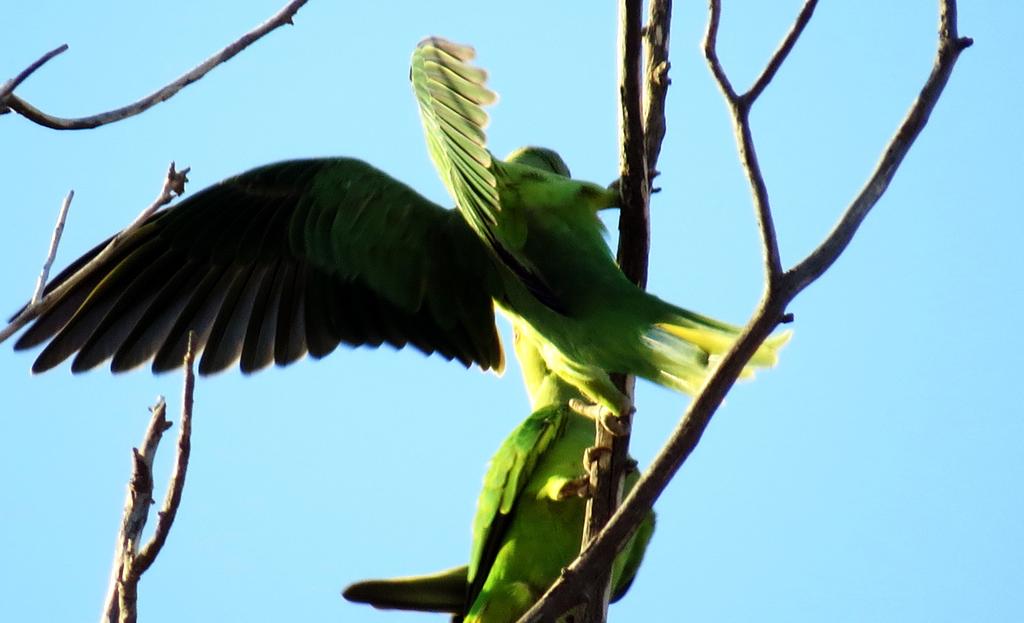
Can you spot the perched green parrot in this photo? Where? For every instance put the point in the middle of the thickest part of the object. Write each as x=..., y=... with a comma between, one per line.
x=529, y=518
x=300, y=256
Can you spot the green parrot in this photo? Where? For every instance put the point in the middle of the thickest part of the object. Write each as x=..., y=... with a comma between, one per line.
x=529, y=518
x=299, y=256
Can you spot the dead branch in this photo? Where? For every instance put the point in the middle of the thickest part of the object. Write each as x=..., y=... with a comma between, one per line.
x=818, y=261
x=10, y=102
x=131, y=561
x=173, y=186
x=58, y=231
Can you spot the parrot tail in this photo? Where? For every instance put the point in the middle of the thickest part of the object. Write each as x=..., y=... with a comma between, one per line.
x=444, y=591
x=685, y=349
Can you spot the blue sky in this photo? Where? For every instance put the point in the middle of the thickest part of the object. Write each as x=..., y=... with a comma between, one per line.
x=874, y=475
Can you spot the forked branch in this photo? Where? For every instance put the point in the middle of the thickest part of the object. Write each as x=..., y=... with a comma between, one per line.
x=130, y=559
x=739, y=108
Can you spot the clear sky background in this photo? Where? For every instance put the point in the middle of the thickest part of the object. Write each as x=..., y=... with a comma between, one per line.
x=874, y=475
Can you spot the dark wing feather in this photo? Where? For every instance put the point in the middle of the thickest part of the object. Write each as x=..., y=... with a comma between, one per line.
x=285, y=259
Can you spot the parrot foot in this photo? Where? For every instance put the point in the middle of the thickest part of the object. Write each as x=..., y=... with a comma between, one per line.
x=616, y=189
x=615, y=425
x=592, y=456
x=616, y=186
x=575, y=488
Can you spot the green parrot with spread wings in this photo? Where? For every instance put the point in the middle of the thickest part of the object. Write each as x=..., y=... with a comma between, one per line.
x=529, y=518
x=300, y=256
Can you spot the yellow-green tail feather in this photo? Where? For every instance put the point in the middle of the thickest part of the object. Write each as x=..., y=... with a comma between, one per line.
x=684, y=351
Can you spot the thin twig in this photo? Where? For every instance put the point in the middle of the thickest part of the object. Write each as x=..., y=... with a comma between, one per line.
x=174, y=185
x=565, y=593
x=30, y=112
x=8, y=87
x=781, y=52
x=950, y=47
x=131, y=561
x=710, y=47
x=58, y=231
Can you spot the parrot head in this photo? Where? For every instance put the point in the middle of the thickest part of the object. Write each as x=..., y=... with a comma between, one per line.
x=540, y=158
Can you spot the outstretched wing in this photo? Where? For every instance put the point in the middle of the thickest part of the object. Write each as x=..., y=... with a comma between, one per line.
x=285, y=259
x=451, y=94
x=508, y=473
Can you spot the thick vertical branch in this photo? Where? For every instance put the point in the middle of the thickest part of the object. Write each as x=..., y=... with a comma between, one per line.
x=634, y=217
x=641, y=130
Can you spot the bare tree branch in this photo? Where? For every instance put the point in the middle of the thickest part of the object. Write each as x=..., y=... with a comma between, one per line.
x=174, y=185
x=130, y=562
x=8, y=87
x=10, y=102
x=950, y=47
x=739, y=107
x=58, y=231
x=710, y=45
x=779, y=292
